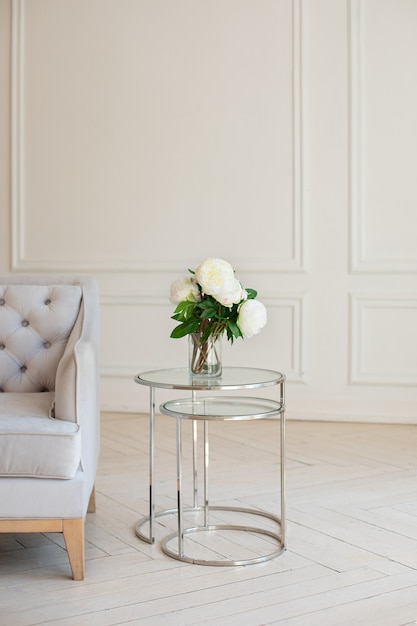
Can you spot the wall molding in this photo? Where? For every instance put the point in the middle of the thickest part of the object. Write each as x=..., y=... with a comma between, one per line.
x=17, y=132
x=360, y=259
x=21, y=261
x=298, y=132
x=359, y=374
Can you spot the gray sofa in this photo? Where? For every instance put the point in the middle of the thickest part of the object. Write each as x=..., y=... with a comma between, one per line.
x=49, y=406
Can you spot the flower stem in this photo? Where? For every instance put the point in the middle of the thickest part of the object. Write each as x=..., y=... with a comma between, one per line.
x=204, y=355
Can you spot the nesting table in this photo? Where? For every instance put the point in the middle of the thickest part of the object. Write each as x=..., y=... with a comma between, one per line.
x=209, y=401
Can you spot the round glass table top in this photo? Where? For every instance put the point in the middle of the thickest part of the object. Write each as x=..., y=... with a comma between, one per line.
x=222, y=408
x=231, y=378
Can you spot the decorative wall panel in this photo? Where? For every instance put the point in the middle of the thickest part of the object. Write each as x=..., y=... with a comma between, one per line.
x=382, y=340
x=383, y=135
x=174, y=135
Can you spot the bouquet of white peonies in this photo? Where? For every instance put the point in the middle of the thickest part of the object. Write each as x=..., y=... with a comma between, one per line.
x=212, y=301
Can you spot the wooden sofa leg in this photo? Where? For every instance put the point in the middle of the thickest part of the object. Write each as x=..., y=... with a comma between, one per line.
x=73, y=531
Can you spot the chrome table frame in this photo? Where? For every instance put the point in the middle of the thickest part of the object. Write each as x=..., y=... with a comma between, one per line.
x=231, y=379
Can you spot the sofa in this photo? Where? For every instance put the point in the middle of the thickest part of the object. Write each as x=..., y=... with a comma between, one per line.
x=49, y=407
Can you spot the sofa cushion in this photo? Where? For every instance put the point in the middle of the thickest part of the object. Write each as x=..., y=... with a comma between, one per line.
x=34, y=444
x=35, y=324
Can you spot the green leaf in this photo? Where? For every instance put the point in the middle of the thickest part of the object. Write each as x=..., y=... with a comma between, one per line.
x=178, y=317
x=180, y=306
x=208, y=305
x=186, y=328
x=234, y=329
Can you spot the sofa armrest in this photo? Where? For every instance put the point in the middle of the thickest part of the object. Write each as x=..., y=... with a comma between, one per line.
x=77, y=379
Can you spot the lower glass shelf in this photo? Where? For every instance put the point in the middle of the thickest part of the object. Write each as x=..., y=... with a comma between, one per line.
x=222, y=408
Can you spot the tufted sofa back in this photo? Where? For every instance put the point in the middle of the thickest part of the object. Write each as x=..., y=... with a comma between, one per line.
x=35, y=324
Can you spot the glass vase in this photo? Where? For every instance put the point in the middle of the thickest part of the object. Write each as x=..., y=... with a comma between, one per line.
x=205, y=357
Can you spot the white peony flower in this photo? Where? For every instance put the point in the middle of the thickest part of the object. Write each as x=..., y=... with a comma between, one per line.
x=215, y=276
x=184, y=289
x=252, y=318
x=233, y=296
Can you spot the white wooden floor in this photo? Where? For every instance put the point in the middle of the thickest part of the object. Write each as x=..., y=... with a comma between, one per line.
x=351, y=553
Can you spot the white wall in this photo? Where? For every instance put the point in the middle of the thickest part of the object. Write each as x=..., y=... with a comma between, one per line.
x=138, y=137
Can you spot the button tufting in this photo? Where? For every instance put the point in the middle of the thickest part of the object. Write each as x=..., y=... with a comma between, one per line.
x=47, y=345
x=2, y=301
x=25, y=323
x=23, y=368
x=2, y=346
x=47, y=302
